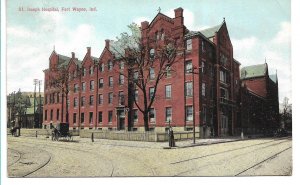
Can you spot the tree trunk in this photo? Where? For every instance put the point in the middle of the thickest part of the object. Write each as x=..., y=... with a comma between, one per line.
x=146, y=121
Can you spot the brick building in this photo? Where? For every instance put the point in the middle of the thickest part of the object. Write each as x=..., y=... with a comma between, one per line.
x=259, y=99
x=205, y=90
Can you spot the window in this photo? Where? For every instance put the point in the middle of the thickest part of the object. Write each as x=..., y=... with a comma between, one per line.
x=162, y=35
x=189, y=113
x=110, y=65
x=121, y=79
x=223, y=76
x=111, y=81
x=224, y=93
x=46, y=99
x=151, y=92
x=51, y=115
x=57, y=114
x=100, y=99
x=84, y=72
x=136, y=95
x=82, y=101
x=168, y=114
x=110, y=116
x=188, y=88
x=57, y=97
x=100, y=117
x=188, y=66
x=189, y=44
x=92, y=85
x=223, y=59
x=91, y=118
x=92, y=100
x=136, y=75
x=91, y=70
x=75, y=88
x=168, y=89
x=203, y=67
x=121, y=65
x=203, y=46
x=203, y=89
x=152, y=115
x=204, y=114
x=101, y=67
x=46, y=114
x=156, y=36
x=83, y=86
x=74, y=118
x=152, y=73
x=135, y=115
x=75, y=102
x=82, y=117
x=121, y=98
x=101, y=83
x=168, y=71
x=152, y=53
x=110, y=97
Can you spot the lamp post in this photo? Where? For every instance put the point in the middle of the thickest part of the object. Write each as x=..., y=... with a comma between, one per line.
x=200, y=97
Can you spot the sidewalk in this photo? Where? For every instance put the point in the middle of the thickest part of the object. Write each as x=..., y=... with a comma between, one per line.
x=201, y=142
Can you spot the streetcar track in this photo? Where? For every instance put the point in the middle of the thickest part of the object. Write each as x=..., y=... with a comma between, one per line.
x=232, y=157
x=42, y=165
x=90, y=149
x=84, y=151
x=19, y=156
x=231, y=150
x=269, y=158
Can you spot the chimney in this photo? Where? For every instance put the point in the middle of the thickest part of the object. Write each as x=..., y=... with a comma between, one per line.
x=178, y=16
x=178, y=12
x=89, y=50
x=145, y=25
x=73, y=55
x=107, y=43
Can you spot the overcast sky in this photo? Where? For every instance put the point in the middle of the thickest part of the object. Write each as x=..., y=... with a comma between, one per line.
x=258, y=30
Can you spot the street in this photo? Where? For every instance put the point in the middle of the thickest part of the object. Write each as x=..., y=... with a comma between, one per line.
x=41, y=157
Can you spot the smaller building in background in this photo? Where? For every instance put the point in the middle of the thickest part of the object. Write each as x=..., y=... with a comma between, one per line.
x=259, y=100
x=23, y=111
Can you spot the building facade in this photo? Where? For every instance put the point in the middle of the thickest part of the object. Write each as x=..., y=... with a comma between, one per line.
x=204, y=93
x=259, y=99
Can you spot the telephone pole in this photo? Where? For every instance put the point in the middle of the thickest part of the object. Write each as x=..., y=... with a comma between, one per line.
x=35, y=82
x=40, y=106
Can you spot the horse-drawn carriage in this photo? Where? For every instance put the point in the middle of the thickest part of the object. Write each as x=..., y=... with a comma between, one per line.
x=61, y=131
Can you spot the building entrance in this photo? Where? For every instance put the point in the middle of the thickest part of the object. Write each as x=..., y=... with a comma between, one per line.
x=224, y=125
x=121, y=119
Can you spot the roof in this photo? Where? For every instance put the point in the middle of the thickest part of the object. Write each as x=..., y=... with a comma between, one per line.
x=63, y=60
x=254, y=71
x=210, y=32
x=95, y=58
x=273, y=77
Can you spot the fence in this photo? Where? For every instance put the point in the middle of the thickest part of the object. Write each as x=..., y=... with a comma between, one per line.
x=115, y=135
x=136, y=136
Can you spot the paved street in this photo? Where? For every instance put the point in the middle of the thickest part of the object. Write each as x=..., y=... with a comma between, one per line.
x=41, y=157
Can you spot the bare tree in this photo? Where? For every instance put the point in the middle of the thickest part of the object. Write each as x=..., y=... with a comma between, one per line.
x=286, y=115
x=148, y=61
x=59, y=80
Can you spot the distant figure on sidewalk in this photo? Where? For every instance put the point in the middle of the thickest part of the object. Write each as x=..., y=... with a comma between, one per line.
x=171, y=136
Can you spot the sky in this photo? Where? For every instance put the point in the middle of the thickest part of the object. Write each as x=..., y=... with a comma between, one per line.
x=259, y=30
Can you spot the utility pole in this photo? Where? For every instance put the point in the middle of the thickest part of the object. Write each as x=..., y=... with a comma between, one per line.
x=35, y=82
x=40, y=106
